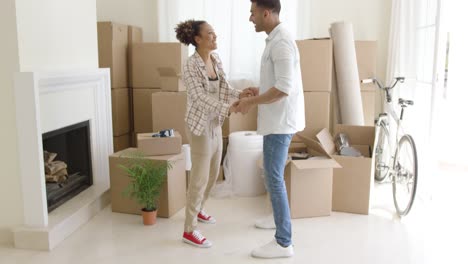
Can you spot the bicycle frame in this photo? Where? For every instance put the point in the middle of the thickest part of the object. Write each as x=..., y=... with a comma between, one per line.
x=383, y=120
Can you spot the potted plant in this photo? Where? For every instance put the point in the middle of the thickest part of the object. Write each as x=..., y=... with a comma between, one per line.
x=147, y=177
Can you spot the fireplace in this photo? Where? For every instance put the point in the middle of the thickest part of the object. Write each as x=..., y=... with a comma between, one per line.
x=67, y=114
x=72, y=158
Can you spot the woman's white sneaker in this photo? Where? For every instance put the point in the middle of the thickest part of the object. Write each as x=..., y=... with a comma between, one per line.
x=273, y=250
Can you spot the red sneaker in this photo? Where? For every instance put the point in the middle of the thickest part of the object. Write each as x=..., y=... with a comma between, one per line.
x=196, y=239
x=205, y=218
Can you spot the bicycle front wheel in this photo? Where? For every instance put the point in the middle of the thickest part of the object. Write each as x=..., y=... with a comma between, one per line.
x=382, y=154
x=405, y=178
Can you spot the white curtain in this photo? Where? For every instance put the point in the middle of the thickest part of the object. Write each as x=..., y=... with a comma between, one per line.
x=239, y=46
x=411, y=54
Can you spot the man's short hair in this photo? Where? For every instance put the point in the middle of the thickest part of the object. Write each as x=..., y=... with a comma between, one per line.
x=273, y=5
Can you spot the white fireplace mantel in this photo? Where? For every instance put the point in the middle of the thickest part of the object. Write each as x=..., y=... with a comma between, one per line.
x=50, y=101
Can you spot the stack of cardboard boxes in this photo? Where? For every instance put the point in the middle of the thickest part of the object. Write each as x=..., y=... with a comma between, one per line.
x=112, y=45
x=159, y=97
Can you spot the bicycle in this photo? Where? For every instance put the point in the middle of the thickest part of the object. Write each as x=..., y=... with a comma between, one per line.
x=402, y=166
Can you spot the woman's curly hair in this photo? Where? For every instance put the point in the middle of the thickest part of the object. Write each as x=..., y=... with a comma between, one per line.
x=187, y=30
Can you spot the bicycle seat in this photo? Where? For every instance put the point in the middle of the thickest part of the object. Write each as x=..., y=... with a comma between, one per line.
x=404, y=102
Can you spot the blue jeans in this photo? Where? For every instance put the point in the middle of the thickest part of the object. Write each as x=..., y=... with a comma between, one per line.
x=275, y=154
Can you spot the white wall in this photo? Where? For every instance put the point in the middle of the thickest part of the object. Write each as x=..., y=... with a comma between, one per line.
x=57, y=34
x=370, y=19
x=47, y=35
x=11, y=209
x=141, y=13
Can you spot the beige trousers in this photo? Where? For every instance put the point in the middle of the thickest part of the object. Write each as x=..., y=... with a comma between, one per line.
x=206, y=151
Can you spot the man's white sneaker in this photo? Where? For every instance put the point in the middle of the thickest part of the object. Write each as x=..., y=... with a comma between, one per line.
x=273, y=250
x=266, y=222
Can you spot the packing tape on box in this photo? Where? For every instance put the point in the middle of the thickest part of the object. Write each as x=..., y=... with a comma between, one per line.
x=347, y=75
x=188, y=160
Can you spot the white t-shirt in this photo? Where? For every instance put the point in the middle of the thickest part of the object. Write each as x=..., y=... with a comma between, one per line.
x=280, y=68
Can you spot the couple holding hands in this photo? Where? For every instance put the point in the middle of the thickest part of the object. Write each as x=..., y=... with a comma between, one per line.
x=280, y=115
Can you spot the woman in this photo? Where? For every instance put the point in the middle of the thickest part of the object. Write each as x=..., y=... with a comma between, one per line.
x=208, y=104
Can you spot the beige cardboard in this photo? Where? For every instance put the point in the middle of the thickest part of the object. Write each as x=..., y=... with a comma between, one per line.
x=366, y=55
x=148, y=58
x=239, y=122
x=156, y=146
x=353, y=183
x=121, y=142
x=172, y=197
x=316, y=64
x=135, y=35
x=317, y=113
x=112, y=48
x=170, y=80
x=309, y=182
x=142, y=110
x=368, y=106
x=168, y=110
x=120, y=111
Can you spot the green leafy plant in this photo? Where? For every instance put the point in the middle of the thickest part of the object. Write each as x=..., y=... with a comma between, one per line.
x=147, y=178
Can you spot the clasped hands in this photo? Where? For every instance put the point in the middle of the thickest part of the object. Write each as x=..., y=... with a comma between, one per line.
x=245, y=102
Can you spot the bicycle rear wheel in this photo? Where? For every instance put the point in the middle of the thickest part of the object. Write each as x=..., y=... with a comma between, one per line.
x=382, y=154
x=405, y=178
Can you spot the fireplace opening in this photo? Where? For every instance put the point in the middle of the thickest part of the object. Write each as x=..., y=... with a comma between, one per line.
x=67, y=163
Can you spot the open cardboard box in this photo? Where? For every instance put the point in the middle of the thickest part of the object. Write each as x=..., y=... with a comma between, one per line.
x=353, y=182
x=157, y=146
x=309, y=182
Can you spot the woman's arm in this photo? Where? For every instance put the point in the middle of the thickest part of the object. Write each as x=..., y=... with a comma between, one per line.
x=197, y=93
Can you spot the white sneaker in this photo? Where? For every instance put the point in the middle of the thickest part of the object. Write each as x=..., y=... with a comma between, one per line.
x=266, y=222
x=273, y=250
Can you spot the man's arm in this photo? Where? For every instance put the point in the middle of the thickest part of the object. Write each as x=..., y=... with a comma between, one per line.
x=270, y=96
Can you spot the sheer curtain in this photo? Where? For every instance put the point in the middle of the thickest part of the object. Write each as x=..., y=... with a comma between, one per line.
x=239, y=46
x=412, y=49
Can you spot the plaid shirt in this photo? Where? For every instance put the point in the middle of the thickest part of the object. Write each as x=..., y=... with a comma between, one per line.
x=199, y=103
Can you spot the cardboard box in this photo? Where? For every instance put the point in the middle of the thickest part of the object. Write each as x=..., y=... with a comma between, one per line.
x=239, y=122
x=353, y=183
x=149, y=58
x=120, y=111
x=368, y=106
x=156, y=146
x=317, y=113
x=366, y=55
x=309, y=182
x=135, y=35
x=142, y=110
x=112, y=48
x=316, y=64
x=171, y=80
x=121, y=142
x=172, y=197
x=169, y=112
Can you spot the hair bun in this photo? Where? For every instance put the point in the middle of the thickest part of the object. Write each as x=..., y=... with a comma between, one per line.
x=185, y=32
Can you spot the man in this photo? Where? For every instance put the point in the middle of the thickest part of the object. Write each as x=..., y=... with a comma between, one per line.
x=280, y=103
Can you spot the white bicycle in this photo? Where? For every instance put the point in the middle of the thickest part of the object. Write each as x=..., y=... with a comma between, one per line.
x=396, y=160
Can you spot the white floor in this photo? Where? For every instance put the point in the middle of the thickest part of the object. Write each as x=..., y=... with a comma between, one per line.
x=428, y=235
